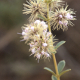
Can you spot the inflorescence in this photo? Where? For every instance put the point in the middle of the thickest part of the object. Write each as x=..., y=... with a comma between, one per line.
x=36, y=34
x=39, y=39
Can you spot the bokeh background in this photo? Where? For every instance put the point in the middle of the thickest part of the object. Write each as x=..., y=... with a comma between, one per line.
x=15, y=62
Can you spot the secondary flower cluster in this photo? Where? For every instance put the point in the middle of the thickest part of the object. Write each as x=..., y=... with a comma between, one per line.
x=60, y=17
x=35, y=7
x=39, y=39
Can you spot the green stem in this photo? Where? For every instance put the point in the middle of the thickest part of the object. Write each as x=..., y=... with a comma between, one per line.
x=54, y=58
x=48, y=20
x=55, y=65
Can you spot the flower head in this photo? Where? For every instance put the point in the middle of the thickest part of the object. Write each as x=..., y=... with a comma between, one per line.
x=34, y=7
x=39, y=39
x=62, y=18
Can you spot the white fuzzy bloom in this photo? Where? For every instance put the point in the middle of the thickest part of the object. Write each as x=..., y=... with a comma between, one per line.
x=44, y=31
x=60, y=16
x=69, y=16
x=38, y=49
x=42, y=52
x=26, y=37
x=38, y=56
x=43, y=23
x=35, y=43
x=32, y=28
x=65, y=23
x=46, y=54
x=23, y=33
x=38, y=38
x=44, y=44
x=37, y=22
x=26, y=29
x=31, y=45
x=33, y=50
x=60, y=22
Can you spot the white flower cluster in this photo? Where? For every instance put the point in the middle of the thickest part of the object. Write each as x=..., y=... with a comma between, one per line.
x=39, y=39
x=66, y=16
x=62, y=18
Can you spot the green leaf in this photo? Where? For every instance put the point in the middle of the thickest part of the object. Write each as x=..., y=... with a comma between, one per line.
x=59, y=44
x=65, y=72
x=53, y=77
x=42, y=17
x=48, y=69
x=61, y=65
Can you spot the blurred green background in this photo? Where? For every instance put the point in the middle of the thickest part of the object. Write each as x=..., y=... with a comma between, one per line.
x=15, y=62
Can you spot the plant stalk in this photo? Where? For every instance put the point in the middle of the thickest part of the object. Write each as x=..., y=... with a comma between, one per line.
x=54, y=58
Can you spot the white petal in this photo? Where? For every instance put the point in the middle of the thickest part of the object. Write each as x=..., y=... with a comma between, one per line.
x=33, y=50
x=37, y=22
x=42, y=52
x=31, y=45
x=32, y=28
x=69, y=16
x=60, y=16
x=43, y=23
x=26, y=29
x=60, y=22
x=23, y=33
x=44, y=44
x=46, y=54
x=38, y=55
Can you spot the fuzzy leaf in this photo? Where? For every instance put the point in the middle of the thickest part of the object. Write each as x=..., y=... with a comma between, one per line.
x=59, y=44
x=48, y=69
x=61, y=65
x=65, y=72
x=42, y=17
x=53, y=77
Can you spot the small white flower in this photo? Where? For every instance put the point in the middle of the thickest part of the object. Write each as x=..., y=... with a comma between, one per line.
x=31, y=45
x=44, y=44
x=65, y=23
x=43, y=23
x=32, y=28
x=37, y=22
x=60, y=16
x=26, y=37
x=46, y=54
x=23, y=33
x=33, y=50
x=60, y=22
x=26, y=29
x=35, y=43
x=69, y=16
x=42, y=52
x=38, y=56
x=38, y=49
x=44, y=31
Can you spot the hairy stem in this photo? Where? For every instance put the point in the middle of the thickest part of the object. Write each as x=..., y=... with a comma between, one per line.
x=54, y=58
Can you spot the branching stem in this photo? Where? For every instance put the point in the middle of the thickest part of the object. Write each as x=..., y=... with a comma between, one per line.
x=54, y=58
